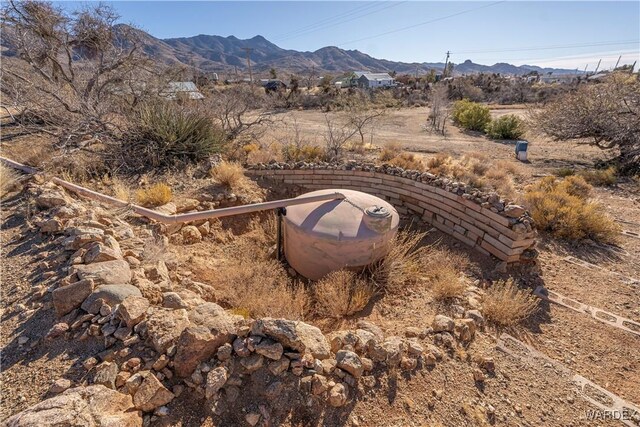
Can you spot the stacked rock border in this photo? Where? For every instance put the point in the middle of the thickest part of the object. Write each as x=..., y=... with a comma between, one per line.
x=481, y=220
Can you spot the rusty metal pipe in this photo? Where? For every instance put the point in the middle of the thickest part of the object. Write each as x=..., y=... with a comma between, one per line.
x=188, y=217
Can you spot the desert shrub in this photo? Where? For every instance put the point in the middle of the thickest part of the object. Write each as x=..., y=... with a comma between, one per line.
x=564, y=172
x=401, y=266
x=389, y=151
x=120, y=189
x=508, y=126
x=505, y=304
x=439, y=164
x=564, y=209
x=600, y=177
x=442, y=272
x=407, y=161
x=471, y=115
x=156, y=195
x=8, y=179
x=163, y=134
x=304, y=153
x=341, y=293
x=229, y=174
x=259, y=288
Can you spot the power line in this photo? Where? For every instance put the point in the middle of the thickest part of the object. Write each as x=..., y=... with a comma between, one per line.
x=569, y=46
x=423, y=23
x=329, y=19
x=329, y=25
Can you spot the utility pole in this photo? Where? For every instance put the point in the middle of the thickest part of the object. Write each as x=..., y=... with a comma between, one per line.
x=446, y=62
x=248, y=50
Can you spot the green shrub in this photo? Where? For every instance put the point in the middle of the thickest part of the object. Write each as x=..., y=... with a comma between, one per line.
x=508, y=126
x=471, y=115
x=164, y=134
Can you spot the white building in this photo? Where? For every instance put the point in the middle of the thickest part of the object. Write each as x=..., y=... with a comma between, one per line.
x=376, y=80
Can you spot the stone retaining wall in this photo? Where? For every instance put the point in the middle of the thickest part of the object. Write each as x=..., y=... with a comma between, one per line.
x=480, y=220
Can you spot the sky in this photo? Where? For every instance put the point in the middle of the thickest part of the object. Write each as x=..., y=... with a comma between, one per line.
x=565, y=34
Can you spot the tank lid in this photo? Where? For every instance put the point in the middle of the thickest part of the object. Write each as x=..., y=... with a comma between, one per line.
x=377, y=211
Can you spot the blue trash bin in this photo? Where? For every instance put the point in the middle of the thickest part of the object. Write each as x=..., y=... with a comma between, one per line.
x=521, y=150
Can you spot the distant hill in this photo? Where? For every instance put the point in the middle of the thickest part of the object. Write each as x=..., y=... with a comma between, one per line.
x=225, y=54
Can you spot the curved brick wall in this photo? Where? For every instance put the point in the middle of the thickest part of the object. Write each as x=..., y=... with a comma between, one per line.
x=478, y=219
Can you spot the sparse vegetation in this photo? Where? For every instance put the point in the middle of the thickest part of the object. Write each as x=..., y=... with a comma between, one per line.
x=471, y=115
x=564, y=209
x=259, y=288
x=8, y=179
x=508, y=126
x=506, y=305
x=407, y=161
x=341, y=294
x=600, y=177
x=156, y=195
x=401, y=266
x=442, y=272
x=229, y=174
x=390, y=151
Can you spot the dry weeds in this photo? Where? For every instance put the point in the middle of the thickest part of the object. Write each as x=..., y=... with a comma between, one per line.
x=8, y=179
x=401, y=266
x=505, y=304
x=157, y=195
x=229, y=174
x=259, y=289
x=340, y=294
x=565, y=210
x=442, y=270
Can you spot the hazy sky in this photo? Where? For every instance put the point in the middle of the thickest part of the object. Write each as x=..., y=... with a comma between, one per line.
x=569, y=34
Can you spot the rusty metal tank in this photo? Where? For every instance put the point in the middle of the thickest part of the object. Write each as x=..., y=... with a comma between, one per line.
x=325, y=236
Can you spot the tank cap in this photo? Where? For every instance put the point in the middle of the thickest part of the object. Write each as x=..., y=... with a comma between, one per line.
x=377, y=218
x=377, y=211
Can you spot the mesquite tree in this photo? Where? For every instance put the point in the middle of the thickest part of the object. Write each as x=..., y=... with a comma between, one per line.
x=75, y=75
x=605, y=115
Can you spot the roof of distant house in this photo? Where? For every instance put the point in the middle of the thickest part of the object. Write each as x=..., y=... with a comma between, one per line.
x=185, y=88
x=377, y=76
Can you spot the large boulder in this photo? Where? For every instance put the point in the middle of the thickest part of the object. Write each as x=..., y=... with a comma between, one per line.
x=104, y=273
x=111, y=295
x=196, y=344
x=350, y=362
x=99, y=252
x=151, y=394
x=164, y=326
x=92, y=406
x=67, y=298
x=296, y=335
x=133, y=310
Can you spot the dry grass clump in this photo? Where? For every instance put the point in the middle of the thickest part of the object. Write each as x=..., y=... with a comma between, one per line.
x=340, y=294
x=401, y=266
x=408, y=161
x=120, y=189
x=8, y=179
x=505, y=304
x=230, y=174
x=390, y=151
x=600, y=177
x=440, y=164
x=157, y=195
x=442, y=270
x=564, y=209
x=259, y=288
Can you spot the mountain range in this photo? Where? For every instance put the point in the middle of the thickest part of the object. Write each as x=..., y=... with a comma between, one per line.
x=226, y=55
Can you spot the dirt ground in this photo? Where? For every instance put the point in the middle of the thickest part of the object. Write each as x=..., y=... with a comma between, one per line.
x=523, y=391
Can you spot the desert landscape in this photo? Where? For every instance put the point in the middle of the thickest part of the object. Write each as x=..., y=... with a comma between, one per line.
x=153, y=272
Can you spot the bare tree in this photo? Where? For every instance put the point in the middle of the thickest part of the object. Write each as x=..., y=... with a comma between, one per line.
x=74, y=73
x=338, y=132
x=605, y=115
x=439, y=109
x=363, y=116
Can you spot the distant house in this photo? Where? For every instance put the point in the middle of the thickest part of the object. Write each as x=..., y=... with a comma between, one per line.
x=184, y=90
x=376, y=80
